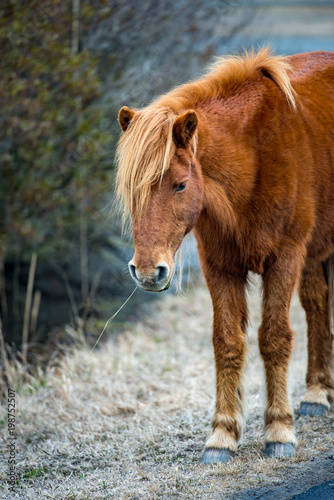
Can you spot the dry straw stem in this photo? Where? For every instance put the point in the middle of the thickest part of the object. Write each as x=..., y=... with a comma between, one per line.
x=27, y=309
x=84, y=259
x=35, y=310
x=5, y=364
x=130, y=419
x=112, y=317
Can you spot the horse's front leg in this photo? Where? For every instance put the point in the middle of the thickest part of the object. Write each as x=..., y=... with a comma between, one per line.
x=229, y=325
x=275, y=342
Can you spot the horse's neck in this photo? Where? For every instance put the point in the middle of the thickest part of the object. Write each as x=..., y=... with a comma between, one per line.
x=229, y=219
x=229, y=170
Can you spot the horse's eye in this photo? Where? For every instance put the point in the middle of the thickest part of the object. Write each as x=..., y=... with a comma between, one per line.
x=181, y=186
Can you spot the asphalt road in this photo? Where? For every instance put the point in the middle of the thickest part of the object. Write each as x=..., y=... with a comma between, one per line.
x=312, y=480
x=323, y=491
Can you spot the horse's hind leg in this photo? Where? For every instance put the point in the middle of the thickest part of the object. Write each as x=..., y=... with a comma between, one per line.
x=313, y=294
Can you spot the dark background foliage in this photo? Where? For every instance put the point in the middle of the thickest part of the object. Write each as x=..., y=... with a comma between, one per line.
x=56, y=168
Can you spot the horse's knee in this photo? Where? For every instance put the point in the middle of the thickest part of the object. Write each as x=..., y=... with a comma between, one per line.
x=275, y=341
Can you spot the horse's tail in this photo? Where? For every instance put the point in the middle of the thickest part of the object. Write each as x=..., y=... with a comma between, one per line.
x=329, y=273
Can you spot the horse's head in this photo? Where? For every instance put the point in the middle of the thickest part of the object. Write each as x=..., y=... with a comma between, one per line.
x=160, y=182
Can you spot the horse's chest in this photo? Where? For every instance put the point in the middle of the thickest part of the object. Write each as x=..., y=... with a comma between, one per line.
x=257, y=263
x=248, y=254
x=234, y=252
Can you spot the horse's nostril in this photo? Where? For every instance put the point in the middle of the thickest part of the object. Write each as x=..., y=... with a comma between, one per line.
x=132, y=268
x=162, y=273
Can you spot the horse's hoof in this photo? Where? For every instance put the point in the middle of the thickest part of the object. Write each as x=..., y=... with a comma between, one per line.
x=312, y=409
x=276, y=450
x=214, y=455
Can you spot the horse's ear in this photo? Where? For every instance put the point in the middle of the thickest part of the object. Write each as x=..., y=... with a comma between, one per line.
x=125, y=116
x=184, y=128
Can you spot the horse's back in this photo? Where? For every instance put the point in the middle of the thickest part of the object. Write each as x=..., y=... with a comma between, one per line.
x=306, y=64
x=313, y=81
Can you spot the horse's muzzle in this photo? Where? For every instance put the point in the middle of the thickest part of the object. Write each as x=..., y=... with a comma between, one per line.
x=151, y=279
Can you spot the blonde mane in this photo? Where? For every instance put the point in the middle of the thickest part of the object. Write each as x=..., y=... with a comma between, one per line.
x=145, y=150
x=237, y=68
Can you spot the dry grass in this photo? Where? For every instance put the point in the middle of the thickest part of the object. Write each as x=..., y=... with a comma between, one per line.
x=129, y=421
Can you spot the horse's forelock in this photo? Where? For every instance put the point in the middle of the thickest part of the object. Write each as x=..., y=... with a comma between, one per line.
x=144, y=154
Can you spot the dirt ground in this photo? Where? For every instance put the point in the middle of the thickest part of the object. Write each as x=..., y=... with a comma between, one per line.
x=129, y=421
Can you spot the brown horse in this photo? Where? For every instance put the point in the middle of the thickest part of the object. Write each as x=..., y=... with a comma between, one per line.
x=244, y=156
